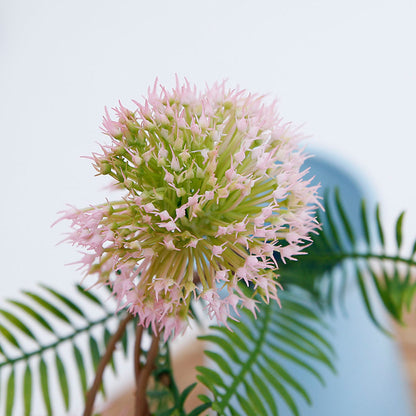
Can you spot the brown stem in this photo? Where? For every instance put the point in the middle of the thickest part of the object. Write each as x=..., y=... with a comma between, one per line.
x=141, y=407
x=137, y=352
x=90, y=397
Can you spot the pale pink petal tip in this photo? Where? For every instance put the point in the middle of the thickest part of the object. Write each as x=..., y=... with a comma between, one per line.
x=213, y=186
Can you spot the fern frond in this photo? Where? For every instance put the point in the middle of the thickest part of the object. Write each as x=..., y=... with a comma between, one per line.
x=49, y=324
x=356, y=247
x=250, y=375
x=164, y=396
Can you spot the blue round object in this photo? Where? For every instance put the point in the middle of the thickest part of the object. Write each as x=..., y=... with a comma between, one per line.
x=370, y=379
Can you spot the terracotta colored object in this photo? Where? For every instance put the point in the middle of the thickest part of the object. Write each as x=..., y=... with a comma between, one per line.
x=184, y=364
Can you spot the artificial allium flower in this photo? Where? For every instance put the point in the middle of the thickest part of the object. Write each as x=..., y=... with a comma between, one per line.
x=213, y=188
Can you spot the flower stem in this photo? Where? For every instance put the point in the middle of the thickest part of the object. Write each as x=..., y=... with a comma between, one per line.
x=90, y=397
x=142, y=377
x=137, y=352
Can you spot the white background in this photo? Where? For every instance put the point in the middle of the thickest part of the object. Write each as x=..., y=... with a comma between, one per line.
x=347, y=70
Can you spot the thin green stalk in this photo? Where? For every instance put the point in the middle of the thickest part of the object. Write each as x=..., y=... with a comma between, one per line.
x=342, y=256
x=59, y=341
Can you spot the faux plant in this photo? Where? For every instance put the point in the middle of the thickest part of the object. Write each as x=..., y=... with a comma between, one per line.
x=215, y=212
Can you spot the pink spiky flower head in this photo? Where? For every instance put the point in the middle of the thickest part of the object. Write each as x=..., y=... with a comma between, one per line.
x=213, y=187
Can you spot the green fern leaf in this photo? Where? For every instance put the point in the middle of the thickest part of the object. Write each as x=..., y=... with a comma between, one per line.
x=63, y=379
x=221, y=362
x=89, y=296
x=67, y=302
x=81, y=369
x=224, y=345
x=95, y=351
x=184, y=395
x=9, y=337
x=18, y=324
x=364, y=223
x=296, y=360
x=210, y=376
x=48, y=306
x=125, y=342
x=413, y=250
x=399, y=230
x=254, y=398
x=281, y=389
x=380, y=227
x=367, y=262
x=10, y=393
x=198, y=410
x=27, y=390
x=32, y=324
x=280, y=371
x=344, y=219
x=44, y=384
x=304, y=327
x=33, y=314
x=251, y=382
x=245, y=404
x=265, y=392
x=335, y=234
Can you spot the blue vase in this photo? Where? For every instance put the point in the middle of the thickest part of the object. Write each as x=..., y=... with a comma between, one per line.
x=370, y=379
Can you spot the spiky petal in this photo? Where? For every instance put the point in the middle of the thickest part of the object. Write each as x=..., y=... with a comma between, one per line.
x=214, y=186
